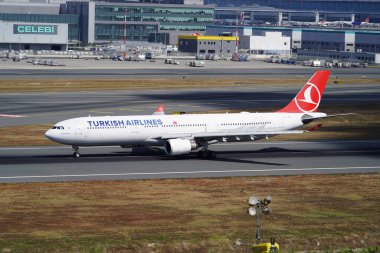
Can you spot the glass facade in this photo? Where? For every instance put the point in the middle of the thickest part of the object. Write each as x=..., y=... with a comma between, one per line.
x=115, y=32
x=143, y=20
x=71, y=20
x=321, y=5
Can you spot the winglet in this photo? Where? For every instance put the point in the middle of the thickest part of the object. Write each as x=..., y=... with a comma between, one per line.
x=309, y=97
x=160, y=110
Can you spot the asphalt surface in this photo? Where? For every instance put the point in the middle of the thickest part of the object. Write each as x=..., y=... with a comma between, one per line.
x=41, y=164
x=168, y=72
x=52, y=107
x=31, y=164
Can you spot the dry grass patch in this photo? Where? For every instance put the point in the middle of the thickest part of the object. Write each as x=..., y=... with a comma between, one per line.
x=318, y=212
x=30, y=135
x=44, y=85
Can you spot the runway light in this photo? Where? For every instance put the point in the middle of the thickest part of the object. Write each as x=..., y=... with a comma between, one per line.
x=252, y=211
x=267, y=200
x=266, y=210
x=252, y=200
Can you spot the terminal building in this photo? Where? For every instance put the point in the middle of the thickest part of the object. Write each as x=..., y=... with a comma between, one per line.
x=334, y=41
x=147, y=22
x=33, y=36
x=93, y=22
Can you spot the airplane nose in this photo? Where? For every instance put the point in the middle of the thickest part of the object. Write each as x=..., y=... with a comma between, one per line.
x=49, y=134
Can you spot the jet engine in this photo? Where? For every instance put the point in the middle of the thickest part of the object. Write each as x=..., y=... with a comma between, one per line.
x=179, y=146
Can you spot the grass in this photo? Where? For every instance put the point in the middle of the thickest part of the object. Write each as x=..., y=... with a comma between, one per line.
x=362, y=125
x=48, y=85
x=192, y=215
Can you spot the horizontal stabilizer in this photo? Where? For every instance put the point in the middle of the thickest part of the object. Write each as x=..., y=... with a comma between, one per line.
x=308, y=118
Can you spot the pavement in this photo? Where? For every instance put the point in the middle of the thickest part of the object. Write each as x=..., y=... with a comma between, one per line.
x=46, y=164
x=83, y=69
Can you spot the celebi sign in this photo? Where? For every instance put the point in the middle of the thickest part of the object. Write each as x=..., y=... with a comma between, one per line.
x=35, y=29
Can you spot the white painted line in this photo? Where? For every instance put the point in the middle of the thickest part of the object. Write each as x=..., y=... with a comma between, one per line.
x=187, y=172
x=11, y=116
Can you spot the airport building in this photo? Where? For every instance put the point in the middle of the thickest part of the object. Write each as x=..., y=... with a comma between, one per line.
x=331, y=55
x=343, y=40
x=112, y=22
x=33, y=36
x=300, y=5
x=93, y=22
x=269, y=43
x=223, y=46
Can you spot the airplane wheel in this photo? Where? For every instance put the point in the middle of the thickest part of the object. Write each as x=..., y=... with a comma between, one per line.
x=76, y=155
x=212, y=154
x=206, y=154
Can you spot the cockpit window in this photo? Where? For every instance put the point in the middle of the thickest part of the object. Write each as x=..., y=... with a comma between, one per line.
x=58, y=127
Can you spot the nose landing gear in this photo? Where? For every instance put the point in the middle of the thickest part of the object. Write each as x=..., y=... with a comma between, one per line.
x=76, y=153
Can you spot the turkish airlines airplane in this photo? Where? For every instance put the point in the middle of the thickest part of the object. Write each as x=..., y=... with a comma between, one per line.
x=180, y=134
x=365, y=22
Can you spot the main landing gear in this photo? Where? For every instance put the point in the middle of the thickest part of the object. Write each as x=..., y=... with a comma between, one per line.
x=205, y=153
x=76, y=153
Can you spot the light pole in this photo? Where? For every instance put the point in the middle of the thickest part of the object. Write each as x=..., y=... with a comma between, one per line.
x=255, y=207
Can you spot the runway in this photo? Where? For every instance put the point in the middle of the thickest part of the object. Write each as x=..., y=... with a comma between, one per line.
x=43, y=164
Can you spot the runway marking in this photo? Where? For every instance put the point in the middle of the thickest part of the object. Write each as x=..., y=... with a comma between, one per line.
x=187, y=172
x=11, y=116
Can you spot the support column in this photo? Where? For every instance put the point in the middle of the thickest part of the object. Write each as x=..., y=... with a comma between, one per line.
x=352, y=17
x=251, y=16
x=279, y=18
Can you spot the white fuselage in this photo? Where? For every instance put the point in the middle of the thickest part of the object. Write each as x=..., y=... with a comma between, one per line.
x=148, y=129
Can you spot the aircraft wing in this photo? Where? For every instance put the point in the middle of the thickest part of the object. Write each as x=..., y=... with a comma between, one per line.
x=253, y=134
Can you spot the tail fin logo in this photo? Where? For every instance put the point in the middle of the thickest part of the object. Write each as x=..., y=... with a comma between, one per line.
x=309, y=98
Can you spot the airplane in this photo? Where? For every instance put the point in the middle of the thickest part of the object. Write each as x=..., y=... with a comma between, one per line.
x=361, y=23
x=349, y=23
x=180, y=134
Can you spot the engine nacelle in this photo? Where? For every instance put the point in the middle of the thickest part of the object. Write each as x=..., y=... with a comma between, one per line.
x=179, y=146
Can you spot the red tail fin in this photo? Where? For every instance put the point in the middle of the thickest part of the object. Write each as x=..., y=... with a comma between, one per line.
x=309, y=97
